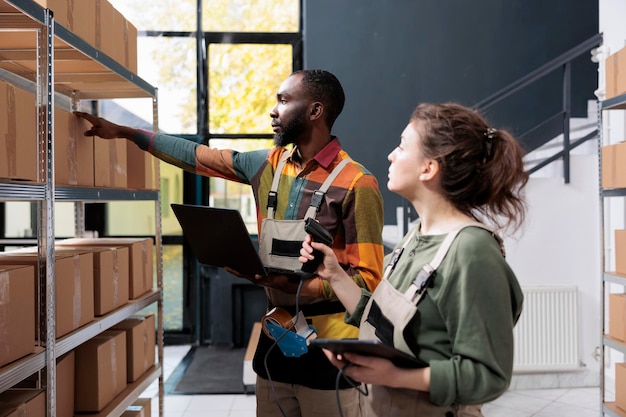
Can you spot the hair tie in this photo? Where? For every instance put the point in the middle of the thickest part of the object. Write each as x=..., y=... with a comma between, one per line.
x=489, y=134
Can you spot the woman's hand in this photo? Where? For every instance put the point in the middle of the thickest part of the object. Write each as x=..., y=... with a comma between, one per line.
x=365, y=369
x=330, y=267
x=379, y=371
x=348, y=292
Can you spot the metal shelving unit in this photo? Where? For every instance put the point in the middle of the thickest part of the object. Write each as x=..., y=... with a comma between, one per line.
x=608, y=408
x=87, y=74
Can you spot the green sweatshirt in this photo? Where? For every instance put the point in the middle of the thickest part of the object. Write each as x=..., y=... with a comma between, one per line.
x=464, y=325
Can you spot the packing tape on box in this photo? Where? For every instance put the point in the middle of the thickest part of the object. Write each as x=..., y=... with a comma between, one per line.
x=98, y=24
x=5, y=292
x=146, y=344
x=144, y=256
x=5, y=298
x=126, y=48
x=112, y=162
x=70, y=14
x=114, y=365
x=76, y=299
x=11, y=138
x=71, y=152
x=279, y=317
x=116, y=279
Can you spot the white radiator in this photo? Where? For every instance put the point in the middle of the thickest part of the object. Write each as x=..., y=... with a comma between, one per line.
x=546, y=335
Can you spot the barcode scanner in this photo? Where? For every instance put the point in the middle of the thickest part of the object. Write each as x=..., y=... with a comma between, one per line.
x=321, y=235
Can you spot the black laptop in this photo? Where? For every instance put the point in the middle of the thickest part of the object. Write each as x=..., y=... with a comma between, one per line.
x=219, y=237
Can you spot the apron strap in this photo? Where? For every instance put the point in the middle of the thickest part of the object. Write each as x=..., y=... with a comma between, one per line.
x=424, y=276
x=272, y=197
x=318, y=195
x=397, y=253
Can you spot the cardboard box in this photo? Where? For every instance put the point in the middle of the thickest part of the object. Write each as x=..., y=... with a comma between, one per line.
x=110, y=163
x=130, y=43
x=141, y=168
x=140, y=259
x=23, y=403
x=140, y=344
x=83, y=20
x=110, y=275
x=620, y=386
x=615, y=66
x=619, y=181
x=620, y=251
x=116, y=46
x=65, y=384
x=73, y=286
x=73, y=152
x=59, y=10
x=17, y=312
x=614, y=166
x=608, y=167
x=100, y=371
x=142, y=407
x=617, y=316
x=106, y=41
x=19, y=157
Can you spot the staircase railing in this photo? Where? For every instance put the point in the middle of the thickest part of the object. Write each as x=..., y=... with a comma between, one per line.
x=562, y=118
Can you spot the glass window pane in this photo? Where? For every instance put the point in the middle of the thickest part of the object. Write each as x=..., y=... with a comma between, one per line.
x=172, y=288
x=64, y=223
x=170, y=65
x=131, y=218
x=171, y=192
x=230, y=194
x=243, y=81
x=18, y=221
x=250, y=16
x=168, y=15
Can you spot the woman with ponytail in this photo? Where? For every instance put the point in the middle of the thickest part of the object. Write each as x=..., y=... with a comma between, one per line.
x=448, y=297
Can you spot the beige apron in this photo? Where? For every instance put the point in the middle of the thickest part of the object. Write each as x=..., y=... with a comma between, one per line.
x=281, y=240
x=400, y=308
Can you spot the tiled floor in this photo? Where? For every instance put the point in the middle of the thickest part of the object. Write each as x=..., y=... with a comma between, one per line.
x=577, y=402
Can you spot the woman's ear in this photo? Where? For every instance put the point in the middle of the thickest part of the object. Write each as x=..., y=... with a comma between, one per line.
x=430, y=169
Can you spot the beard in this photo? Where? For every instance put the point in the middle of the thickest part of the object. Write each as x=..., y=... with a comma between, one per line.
x=290, y=132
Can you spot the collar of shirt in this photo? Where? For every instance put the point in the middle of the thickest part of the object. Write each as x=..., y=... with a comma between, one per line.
x=325, y=156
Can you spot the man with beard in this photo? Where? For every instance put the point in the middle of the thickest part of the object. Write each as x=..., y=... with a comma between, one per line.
x=307, y=104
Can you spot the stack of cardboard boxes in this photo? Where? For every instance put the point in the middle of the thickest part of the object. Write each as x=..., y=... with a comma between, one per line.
x=617, y=318
x=94, y=277
x=79, y=161
x=99, y=24
x=92, y=376
x=106, y=363
x=614, y=177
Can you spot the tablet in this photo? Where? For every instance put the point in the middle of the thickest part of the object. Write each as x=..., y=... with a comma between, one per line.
x=369, y=348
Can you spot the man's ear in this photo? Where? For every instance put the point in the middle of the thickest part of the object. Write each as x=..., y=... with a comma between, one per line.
x=430, y=169
x=317, y=109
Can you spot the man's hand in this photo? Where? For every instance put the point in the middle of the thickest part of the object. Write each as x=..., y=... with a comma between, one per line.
x=105, y=129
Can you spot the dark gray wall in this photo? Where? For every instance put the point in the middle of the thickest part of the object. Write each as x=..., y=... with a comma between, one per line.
x=392, y=54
